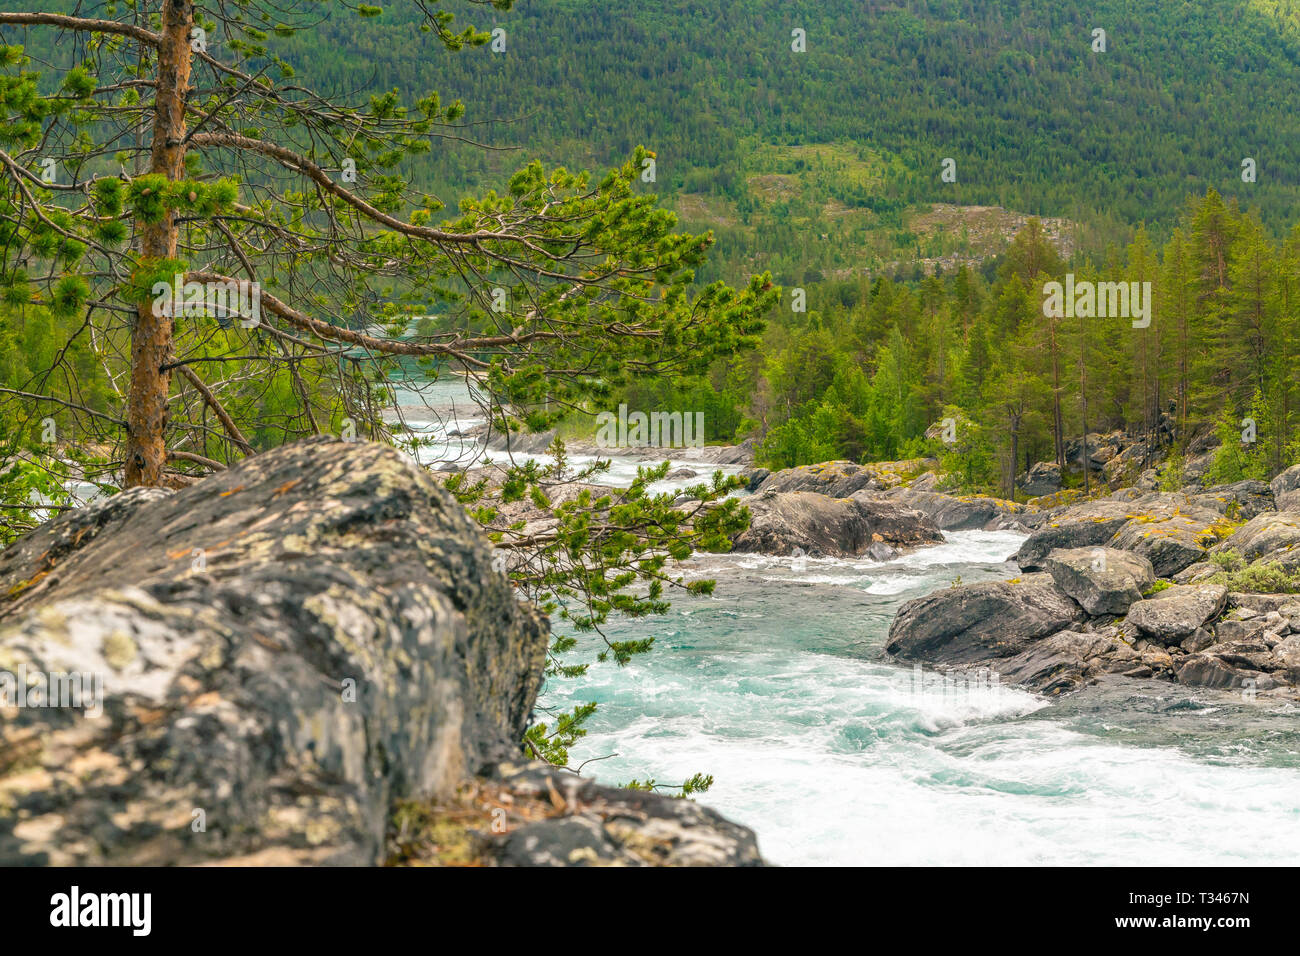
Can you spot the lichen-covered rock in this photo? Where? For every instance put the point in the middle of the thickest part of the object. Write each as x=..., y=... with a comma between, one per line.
x=1273, y=536
x=801, y=522
x=285, y=648
x=1241, y=499
x=1171, y=543
x=955, y=512
x=1088, y=525
x=1177, y=612
x=604, y=826
x=836, y=479
x=976, y=623
x=1102, y=580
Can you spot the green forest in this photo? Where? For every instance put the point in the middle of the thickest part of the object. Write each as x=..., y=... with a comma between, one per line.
x=808, y=141
x=815, y=165
x=872, y=365
x=814, y=162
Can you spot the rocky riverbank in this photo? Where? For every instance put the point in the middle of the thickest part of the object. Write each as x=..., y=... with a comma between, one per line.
x=1197, y=586
x=306, y=659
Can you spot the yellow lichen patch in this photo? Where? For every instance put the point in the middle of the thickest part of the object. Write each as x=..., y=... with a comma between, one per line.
x=20, y=751
x=119, y=650
x=22, y=586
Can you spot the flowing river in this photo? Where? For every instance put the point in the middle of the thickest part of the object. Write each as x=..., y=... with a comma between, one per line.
x=778, y=687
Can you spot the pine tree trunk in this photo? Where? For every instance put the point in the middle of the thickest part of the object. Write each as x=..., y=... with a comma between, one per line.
x=151, y=339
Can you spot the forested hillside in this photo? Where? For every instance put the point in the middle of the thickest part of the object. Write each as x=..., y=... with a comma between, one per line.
x=866, y=372
x=810, y=161
x=823, y=165
x=821, y=162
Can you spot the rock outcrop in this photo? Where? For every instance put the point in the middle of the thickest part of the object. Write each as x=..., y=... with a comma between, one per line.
x=1042, y=479
x=1286, y=489
x=1171, y=542
x=1102, y=580
x=958, y=512
x=271, y=660
x=978, y=623
x=1273, y=536
x=835, y=479
x=801, y=522
x=1176, y=613
x=1088, y=525
x=1113, y=559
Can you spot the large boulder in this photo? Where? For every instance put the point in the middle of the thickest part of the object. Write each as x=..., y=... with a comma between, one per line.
x=1086, y=525
x=274, y=665
x=1273, y=536
x=1170, y=542
x=1177, y=612
x=285, y=648
x=1286, y=489
x=1044, y=478
x=1102, y=580
x=836, y=479
x=814, y=524
x=953, y=512
x=976, y=623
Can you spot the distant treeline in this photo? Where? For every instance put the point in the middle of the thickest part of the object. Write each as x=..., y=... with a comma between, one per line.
x=871, y=366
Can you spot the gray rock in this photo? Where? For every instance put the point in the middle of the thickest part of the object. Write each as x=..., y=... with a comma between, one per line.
x=1177, y=612
x=1062, y=662
x=313, y=649
x=1287, y=651
x=1274, y=536
x=604, y=826
x=1286, y=489
x=1044, y=478
x=926, y=482
x=1207, y=670
x=1170, y=543
x=1088, y=525
x=1198, y=641
x=836, y=479
x=1196, y=573
x=290, y=646
x=979, y=622
x=1102, y=580
x=836, y=527
x=1251, y=603
x=1229, y=630
x=953, y=513
x=1243, y=499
